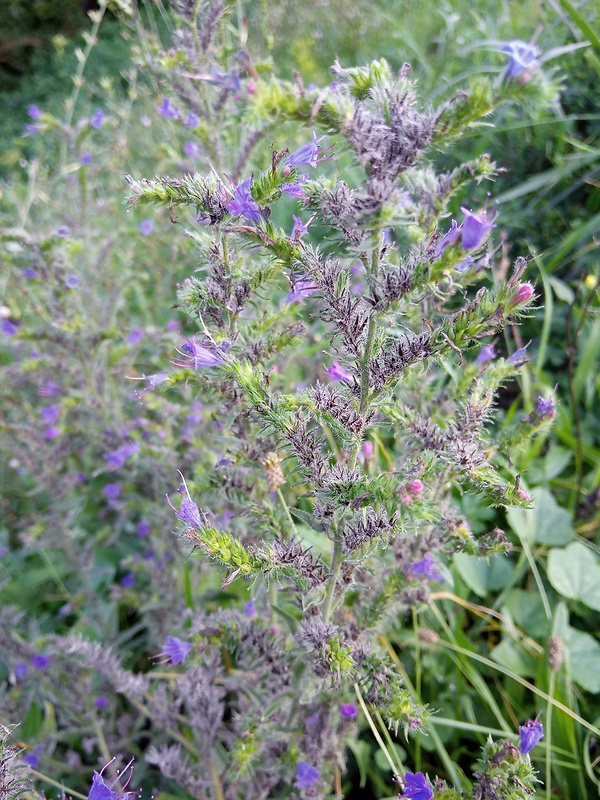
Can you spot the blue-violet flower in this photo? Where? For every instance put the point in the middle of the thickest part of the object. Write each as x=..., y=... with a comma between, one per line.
x=522, y=56
x=531, y=733
x=416, y=787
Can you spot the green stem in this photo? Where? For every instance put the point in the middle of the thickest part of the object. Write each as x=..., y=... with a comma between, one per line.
x=336, y=565
x=287, y=511
x=366, y=360
x=417, y=683
x=216, y=779
x=548, y=722
x=395, y=769
x=78, y=78
x=273, y=601
x=60, y=786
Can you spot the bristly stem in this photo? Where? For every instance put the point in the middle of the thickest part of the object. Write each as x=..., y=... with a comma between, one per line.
x=336, y=565
x=366, y=359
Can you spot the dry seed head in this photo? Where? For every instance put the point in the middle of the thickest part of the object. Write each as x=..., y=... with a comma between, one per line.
x=273, y=471
x=427, y=635
x=555, y=652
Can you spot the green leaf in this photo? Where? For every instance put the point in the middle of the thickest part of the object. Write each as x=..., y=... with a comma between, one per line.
x=557, y=459
x=583, y=659
x=553, y=524
x=562, y=290
x=510, y=655
x=362, y=754
x=32, y=724
x=528, y=612
x=580, y=20
x=575, y=573
x=482, y=577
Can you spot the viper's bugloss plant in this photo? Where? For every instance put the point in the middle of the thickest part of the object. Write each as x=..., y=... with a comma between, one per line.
x=348, y=312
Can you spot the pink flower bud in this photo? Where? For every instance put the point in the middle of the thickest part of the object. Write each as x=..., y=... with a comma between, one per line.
x=251, y=87
x=524, y=293
x=414, y=487
x=368, y=449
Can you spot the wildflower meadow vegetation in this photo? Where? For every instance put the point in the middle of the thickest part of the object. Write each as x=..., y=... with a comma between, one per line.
x=299, y=418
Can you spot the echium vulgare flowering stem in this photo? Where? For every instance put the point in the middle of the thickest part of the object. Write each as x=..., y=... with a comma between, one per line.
x=338, y=557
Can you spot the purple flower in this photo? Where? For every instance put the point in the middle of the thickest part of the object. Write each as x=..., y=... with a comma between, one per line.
x=34, y=112
x=368, y=449
x=40, y=661
x=295, y=188
x=71, y=281
x=29, y=273
x=308, y=155
x=86, y=159
x=426, y=567
x=306, y=775
x=10, y=327
x=63, y=232
x=112, y=491
x=51, y=432
x=32, y=760
x=416, y=787
x=146, y=226
x=30, y=130
x=189, y=513
x=299, y=228
x=50, y=414
x=464, y=264
x=243, y=204
x=519, y=356
x=348, y=711
x=448, y=238
x=192, y=120
x=100, y=702
x=522, y=56
x=545, y=408
x=143, y=529
x=20, y=670
x=475, y=228
x=116, y=459
x=303, y=287
x=191, y=149
x=338, y=373
x=487, y=353
x=249, y=609
x=152, y=381
x=165, y=109
x=97, y=120
x=50, y=389
x=531, y=733
x=196, y=356
x=175, y=651
x=135, y=336
x=102, y=791
x=128, y=580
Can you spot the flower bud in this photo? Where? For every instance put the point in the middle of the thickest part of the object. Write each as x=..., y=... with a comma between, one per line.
x=524, y=293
